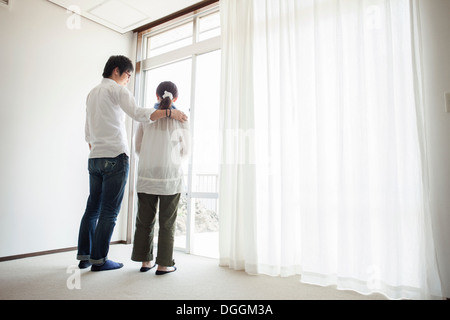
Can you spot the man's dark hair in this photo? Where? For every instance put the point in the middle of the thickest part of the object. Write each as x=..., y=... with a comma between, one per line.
x=123, y=63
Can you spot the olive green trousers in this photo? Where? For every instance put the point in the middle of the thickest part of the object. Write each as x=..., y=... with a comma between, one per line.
x=145, y=223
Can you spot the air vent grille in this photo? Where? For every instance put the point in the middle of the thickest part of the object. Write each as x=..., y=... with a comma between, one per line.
x=5, y=3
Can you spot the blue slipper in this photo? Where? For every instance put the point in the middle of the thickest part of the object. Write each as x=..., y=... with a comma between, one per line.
x=108, y=265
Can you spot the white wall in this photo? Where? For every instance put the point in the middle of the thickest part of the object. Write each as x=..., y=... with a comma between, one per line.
x=435, y=15
x=46, y=72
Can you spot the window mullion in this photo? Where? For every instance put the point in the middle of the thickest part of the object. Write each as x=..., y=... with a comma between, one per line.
x=190, y=230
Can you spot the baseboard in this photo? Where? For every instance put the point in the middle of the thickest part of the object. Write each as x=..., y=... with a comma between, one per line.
x=44, y=253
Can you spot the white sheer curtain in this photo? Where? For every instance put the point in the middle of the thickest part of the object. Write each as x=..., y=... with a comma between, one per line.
x=322, y=165
x=237, y=232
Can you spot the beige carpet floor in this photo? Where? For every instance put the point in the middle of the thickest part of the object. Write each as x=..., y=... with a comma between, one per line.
x=55, y=277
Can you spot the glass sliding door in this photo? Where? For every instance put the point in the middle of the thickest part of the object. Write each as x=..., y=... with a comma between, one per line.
x=205, y=157
x=188, y=54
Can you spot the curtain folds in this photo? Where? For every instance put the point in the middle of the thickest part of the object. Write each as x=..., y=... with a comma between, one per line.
x=323, y=171
x=238, y=174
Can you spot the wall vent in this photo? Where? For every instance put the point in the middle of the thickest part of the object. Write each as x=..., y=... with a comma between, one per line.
x=5, y=3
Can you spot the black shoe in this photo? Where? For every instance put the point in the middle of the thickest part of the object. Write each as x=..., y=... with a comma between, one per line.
x=159, y=273
x=145, y=269
x=84, y=264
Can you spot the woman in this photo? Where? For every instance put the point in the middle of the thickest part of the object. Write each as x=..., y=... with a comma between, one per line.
x=162, y=146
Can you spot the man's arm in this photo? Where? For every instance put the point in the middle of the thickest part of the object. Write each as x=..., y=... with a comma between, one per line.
x=129, y=106
x=176, y=114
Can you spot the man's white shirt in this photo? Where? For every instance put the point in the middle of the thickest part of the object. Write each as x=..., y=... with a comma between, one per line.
x=106, y=108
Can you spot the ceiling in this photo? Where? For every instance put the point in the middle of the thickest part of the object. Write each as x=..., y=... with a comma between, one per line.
x=124, y=15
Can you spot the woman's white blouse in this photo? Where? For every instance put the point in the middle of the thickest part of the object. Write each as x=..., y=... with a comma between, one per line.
x=162, y=147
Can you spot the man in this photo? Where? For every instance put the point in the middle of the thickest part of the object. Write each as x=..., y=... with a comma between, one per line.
x=106, y=135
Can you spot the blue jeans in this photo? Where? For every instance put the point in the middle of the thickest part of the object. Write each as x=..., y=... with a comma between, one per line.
x=107, y=180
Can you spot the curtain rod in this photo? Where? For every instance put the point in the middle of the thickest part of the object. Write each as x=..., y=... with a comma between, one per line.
x=175, y=15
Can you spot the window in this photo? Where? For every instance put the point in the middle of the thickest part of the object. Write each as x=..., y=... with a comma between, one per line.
x=209, y=26
x=170, y=40
x=187, y=52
